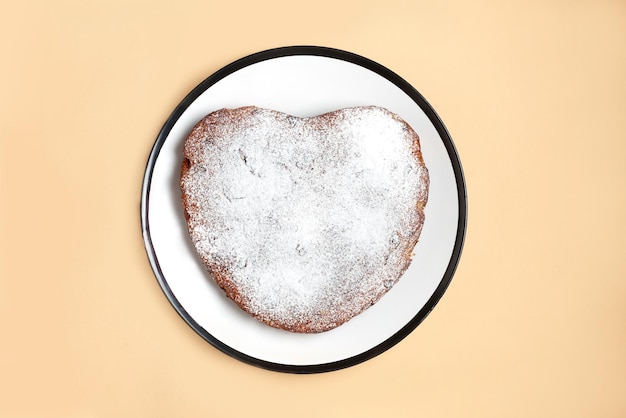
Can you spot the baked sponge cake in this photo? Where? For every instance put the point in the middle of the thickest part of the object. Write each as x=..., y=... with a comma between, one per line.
x=304, y=222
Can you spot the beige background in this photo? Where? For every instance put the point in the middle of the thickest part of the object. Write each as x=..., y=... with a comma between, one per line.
x=534, y=95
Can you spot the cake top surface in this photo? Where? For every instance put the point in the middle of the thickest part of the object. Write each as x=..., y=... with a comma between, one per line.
x=310, y=218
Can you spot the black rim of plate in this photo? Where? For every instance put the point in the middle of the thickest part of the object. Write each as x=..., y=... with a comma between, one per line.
x=406, y=88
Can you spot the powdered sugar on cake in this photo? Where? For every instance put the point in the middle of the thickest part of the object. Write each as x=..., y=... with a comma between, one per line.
x=305, y=222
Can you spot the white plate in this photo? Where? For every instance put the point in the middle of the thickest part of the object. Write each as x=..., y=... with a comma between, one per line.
x=303, y=81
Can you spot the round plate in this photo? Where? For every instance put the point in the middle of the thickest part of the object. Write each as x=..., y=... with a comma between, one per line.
x=303, y=81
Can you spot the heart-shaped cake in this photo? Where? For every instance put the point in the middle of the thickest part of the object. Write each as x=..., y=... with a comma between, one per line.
x=304, y=222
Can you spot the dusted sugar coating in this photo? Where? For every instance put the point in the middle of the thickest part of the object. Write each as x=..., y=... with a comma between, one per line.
x=304, y=222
